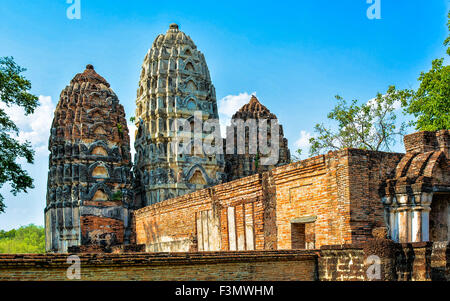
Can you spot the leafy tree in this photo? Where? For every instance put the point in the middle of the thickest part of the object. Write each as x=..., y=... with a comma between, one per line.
x=296, y=157
x=27, y=239
x=371, y=126
x=430, y=104
x=14, y=91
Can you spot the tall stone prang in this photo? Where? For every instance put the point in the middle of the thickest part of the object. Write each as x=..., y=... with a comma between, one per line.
x=248, y=163
x=89, y=198
x=175, y=84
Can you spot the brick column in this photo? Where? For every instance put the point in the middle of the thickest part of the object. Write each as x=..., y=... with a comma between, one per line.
x=426, y=223
x=416, y=224
x=390, y=216
x=404, y=218
x=421, y=221
x=393, y=221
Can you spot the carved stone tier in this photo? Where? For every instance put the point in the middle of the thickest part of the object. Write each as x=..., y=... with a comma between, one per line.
x=174, y=85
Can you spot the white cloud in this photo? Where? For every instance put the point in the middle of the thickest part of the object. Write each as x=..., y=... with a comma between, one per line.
x=396, y=105
x=35, y=127
x=303, y=143
x=229, y=105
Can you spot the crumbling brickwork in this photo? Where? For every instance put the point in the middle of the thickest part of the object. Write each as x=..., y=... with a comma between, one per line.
x=89, y=198
x=211, y=266
x=336, y=197
x=242, y=134
x=354, y=262
x=174, y=225
x=417, y=196
x=382, y=259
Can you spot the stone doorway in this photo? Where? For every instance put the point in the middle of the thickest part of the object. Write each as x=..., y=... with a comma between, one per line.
x=303, y=233
x=298, y=236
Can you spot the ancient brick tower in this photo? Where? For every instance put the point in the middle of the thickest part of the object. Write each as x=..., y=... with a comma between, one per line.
x=174, y=85
x=239, y=165
x=89, y=200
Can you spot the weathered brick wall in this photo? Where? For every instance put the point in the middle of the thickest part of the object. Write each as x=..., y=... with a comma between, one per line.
x=337, y=195
x=340, y=189
x=94, y=227
x=368, y=171
x=404, y=262
x=316, y=187
x=173, y=225
x=212, y=266
x=339, y=264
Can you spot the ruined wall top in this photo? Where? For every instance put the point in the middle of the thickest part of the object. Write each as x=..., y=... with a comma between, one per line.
x=422, y=142
x=425, y=167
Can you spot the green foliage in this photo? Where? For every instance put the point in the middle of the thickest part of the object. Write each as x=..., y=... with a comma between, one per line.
x=26, y=239
x=13, y=91
x=120, y=128
x=133, y=119
x=257, y=159
x=447, y=40
x=430, y=104
x=370, y=126
x=117, y=196
x=297, y=156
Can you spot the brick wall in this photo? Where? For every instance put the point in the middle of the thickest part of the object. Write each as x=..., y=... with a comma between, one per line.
x=101, y=230
x=316, y=188
x=336, y=196
x=368, y=171
x=173, y=225
x=416, y=262
x=404, y=262
x=339, y=193
x=212, y=266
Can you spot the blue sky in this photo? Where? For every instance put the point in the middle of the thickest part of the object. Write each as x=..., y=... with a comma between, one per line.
x=296, y=55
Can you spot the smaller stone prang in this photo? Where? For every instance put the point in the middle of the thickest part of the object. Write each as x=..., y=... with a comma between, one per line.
x=243, y=165
x=89, y=197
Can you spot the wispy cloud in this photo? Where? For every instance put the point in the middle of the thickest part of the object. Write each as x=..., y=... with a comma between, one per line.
x=303, y=143
x=229, y=105
x=35, y=127
x=396, y=105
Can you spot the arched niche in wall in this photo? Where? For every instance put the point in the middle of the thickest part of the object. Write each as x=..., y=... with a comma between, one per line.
x=100, y=171
x=191, y=104
x=100, y=195
x=197, y=178
x=99, y=151
x=191, y=86
x=189, y=67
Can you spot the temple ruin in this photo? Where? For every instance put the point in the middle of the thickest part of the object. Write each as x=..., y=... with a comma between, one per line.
x=233, y=200
x=89, y=197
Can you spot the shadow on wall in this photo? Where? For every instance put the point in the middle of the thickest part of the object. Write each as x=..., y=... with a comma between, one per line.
x=432, y=262
x=151, y=232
